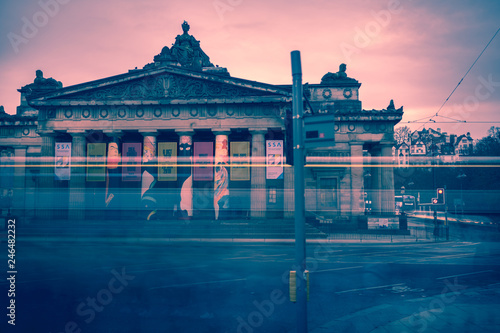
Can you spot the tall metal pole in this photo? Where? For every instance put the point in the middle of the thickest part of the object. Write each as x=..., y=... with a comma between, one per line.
x=298, y=161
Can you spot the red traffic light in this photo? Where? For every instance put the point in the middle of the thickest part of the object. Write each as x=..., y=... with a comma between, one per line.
x=440, y=196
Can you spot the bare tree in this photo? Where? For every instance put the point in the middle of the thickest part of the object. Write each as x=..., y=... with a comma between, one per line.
x=402, y=134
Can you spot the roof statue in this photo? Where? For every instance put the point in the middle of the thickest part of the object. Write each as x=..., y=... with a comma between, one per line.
x=391, y=105
x=164, y=56
x=40, y=81
x=40, y=85
x=338, y=76
x=186, y=51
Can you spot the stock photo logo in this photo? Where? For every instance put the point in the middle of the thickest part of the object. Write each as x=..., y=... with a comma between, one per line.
x=364, y=37
x=32, y=25
x=483, y=91
x=224, y=6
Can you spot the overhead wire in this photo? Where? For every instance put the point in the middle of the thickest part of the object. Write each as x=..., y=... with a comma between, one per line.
x=453, y=91
x=454, y=122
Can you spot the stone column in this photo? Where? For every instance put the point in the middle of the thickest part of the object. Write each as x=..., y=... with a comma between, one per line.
x=77, y=180
x=149, y=201
x=45, y=209
x=258, y=176
x=149, y=147
x=387, y=180
x=356, y=178
x=375, y=194
x=289, y=196
x=185, y=175
x=221, y=176
x=113, y=177
x=149, y=159
x=18, y=200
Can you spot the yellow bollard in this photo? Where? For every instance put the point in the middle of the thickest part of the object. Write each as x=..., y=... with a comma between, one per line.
x=293, y=286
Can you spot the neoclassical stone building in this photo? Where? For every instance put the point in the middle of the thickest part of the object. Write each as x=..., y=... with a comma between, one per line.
x=181, y=138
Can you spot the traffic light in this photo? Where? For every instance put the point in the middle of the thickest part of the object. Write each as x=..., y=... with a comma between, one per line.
x=440, y=196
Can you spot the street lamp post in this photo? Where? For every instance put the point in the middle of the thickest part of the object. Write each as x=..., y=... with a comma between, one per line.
x=298, y=161
x=461, y=177
x=402, y=200
x=403, y=220
x=433, y=163
x=368, y=194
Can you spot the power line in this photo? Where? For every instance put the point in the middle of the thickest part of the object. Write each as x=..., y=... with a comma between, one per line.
x=461, y=80
x=457, y=120
x=479, y=56
x=454, y=122
x=417, y=120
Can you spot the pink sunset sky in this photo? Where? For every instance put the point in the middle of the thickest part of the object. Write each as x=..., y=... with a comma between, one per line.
x=412, y=51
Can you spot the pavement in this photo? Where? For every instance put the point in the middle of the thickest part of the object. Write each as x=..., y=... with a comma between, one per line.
x=461, y=310
x=458, y=218
x=209, y=287
x=202, y=231
x=244, y=231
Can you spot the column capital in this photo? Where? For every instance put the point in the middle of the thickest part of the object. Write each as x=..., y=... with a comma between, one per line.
x=148, y=133
x=77, y=133
x=256, y=131
x=112, y=133
x=185, y=132
x=221, y=131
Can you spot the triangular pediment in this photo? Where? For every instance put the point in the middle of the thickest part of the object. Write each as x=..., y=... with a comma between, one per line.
x=168, y=84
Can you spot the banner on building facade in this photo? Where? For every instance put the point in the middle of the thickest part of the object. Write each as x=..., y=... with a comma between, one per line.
x=62, y=168
x=221, y=183
x=203, y=154
x=185, y=177
x=149, y=152
x=240, y=153
x=113, y=155
x=167, y=161
x=131, y=162
x=274, y=159
x=221, y=149
x=96, y=162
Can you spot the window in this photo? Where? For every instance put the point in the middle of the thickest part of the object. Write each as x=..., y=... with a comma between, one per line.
x=327, y=193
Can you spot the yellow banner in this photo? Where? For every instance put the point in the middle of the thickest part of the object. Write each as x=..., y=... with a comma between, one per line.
x=96, y=162
x=167, y=160
x=240, y=154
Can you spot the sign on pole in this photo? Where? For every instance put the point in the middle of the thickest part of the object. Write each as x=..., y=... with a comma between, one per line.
x=62, y=168
x=274, y=159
